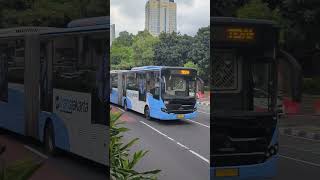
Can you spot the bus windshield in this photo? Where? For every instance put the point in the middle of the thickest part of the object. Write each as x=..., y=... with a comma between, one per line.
x=261, y=82
x=178, y=84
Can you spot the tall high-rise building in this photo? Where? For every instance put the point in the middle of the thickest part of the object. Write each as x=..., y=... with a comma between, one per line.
x=161, y=16
x=112, y=33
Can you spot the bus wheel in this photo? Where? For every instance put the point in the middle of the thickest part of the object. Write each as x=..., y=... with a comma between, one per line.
x=147, y=113
x=49, y=141
x=125, y=105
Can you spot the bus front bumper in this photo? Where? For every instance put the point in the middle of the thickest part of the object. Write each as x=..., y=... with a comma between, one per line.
x=171, y=116
x=264, y=170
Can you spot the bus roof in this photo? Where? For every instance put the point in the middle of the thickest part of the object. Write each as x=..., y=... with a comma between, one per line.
x=234, y=20
x=21, y=31
x=118, y=71
x=157, y=68
x=94, y=21
x=76, y=26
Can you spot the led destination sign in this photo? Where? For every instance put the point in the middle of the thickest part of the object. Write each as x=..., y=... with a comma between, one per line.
x=235, y=34
x=240, y=34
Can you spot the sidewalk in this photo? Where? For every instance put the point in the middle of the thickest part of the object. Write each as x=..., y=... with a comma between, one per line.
x=205, y=100
x=62, y=167
x=304, y=126
x=16, y=151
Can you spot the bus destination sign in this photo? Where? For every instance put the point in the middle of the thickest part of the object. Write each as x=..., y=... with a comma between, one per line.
x=235, y=34
x=240, y=34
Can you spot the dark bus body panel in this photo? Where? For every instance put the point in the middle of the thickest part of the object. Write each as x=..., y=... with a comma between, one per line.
x=243, y=61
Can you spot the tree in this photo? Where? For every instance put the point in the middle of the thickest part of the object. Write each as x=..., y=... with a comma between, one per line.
x=191, y=64
x=200, y=52
x=143, y=48
x=125, y=39
x=257, y=9
x=121, y=57
x=55, y=13
x=173, y=49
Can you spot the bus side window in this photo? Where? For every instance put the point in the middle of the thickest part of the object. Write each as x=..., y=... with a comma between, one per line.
x=157, y=85
x=114, y=80
x=132, y=82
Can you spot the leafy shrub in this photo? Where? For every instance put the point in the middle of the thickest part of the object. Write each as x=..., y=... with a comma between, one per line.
x=20, y=170
x=121, y=164
x=311, y=86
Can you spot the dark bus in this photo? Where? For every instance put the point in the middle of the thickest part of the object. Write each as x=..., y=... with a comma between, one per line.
x=244, y=143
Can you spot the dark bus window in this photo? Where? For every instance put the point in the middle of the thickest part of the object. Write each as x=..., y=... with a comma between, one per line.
x=142, y=86
x=15, y=59
x=132, y=81
x=3, y=78
x=153, y=84
x=114, y=80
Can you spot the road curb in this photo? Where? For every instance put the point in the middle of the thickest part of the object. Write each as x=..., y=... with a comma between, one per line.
x=204, y=103
x=299, y=133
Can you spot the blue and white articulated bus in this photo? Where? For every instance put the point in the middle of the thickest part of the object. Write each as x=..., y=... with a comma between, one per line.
x=160, y=92
x=54, y=86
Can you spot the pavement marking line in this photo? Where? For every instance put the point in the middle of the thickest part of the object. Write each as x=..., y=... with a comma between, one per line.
x=199, y=123
x=298, y=149
x=36, y=152
x=182, y=145
x=158, y=131
x=297, y=137
x=301, y=161
x=178, y=143
x=206, y=160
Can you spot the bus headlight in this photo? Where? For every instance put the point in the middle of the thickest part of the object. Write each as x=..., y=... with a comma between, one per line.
x=166, y=102
x=163, y=109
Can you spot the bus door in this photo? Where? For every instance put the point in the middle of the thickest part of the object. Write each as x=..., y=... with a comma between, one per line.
x=142, y=86
x=31, y=84
x=121, y=88
x=3, y=76
x=46, y=53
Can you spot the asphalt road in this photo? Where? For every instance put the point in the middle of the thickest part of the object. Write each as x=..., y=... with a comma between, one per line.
x=179, y=148
x=299, y=159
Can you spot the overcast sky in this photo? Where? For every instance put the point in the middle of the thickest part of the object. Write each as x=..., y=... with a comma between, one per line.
x=129, y=15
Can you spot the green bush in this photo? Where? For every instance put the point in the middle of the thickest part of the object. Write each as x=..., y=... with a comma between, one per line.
x=121, y=163
x=20, y=170
x=311, y=85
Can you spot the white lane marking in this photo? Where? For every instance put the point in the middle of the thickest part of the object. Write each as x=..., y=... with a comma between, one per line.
x=36, y=152
x=298, y=149
x=301, y=161
x=182, y=145
x=206, y=160
x=297, y=137
x=204, y=112
x=178, y=143
x=199, y=123
x=119, y=108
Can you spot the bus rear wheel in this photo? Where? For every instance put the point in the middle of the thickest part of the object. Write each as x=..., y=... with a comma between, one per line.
x=147, y=113
x=49, y=141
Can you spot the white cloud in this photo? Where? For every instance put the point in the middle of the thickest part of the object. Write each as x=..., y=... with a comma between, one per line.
x=129, y=15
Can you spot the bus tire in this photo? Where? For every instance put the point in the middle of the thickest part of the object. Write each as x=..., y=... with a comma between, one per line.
x=125, y=105
x=49, y=141
x=147, y=113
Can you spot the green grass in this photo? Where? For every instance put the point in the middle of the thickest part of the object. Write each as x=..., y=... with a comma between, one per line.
x=20, y=170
